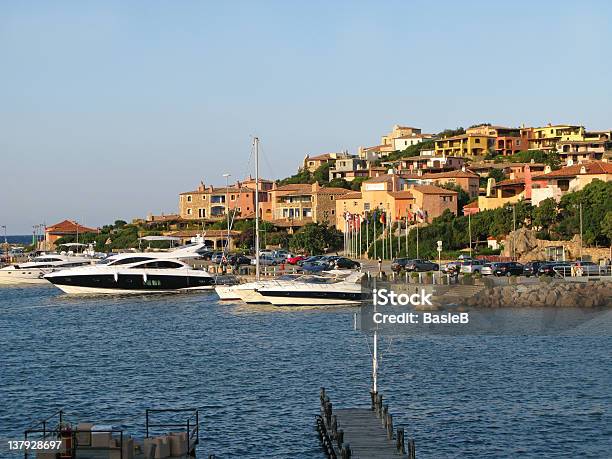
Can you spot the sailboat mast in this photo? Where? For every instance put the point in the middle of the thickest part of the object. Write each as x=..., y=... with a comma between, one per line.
x=257, y=270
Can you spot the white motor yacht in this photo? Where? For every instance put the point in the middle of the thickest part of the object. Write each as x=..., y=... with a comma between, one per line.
x=141, y=272
x=305, y=290
x=32, y=272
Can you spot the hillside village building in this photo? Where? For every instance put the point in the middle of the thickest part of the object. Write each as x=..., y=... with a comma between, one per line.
x=391, y=194
x=210, y=203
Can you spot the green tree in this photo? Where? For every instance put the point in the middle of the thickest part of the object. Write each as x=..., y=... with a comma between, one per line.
x=316, y=238
x=356, y=183
x=497, y=174
x=545, y=215
x=321, y=174
x=302, y=176
x=606, y=226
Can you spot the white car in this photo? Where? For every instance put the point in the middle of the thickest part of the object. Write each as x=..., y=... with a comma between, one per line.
x=269, y=260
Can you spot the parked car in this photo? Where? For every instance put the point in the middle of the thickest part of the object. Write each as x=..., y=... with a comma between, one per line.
x=296, y=259
x=344, y=263
x=531, y=268
x=317, y=266
x=508, y=268
x=399, y=263
x=421, y=265
x=238, y=259
x=488, y=269
x=548, y=269
x=268, y=260
x=216, y=257
x=310, y=259
x=472, y=267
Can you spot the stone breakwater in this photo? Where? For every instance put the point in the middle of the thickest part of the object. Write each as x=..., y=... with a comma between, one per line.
x=559, y=294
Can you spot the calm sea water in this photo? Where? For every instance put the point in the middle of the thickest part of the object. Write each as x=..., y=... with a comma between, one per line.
x=255, y=375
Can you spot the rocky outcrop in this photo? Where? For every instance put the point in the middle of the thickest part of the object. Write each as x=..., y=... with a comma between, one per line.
x=559, y=294
x=529, y=247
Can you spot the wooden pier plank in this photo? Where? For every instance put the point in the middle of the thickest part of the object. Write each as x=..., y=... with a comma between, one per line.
x=365, y=434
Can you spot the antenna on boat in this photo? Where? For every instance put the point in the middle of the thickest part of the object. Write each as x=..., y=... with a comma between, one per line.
x=257, y=270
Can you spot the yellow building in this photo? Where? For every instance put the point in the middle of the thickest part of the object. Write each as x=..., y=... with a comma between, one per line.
x=547, y=137
x=466, y=145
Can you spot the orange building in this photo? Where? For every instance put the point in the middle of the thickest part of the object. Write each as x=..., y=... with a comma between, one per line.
x=64, y=228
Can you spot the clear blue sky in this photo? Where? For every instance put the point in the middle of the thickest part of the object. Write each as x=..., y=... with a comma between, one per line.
x=109, y=109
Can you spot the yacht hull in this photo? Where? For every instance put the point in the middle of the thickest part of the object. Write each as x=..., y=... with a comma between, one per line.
x=18, y=276
x=311, y=298
x=227, y=292
x=76, y=290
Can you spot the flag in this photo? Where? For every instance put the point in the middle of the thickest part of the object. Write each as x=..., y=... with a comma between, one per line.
x=383, y=218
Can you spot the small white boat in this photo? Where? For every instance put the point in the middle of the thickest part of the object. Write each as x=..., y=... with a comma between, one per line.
x=303, y=290
x=32, y=272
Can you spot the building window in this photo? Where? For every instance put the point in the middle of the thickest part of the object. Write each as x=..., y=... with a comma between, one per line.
x=477, y=140
x=188, y=211
x=366, y=206
x=233, y=197
x=189, y=198
x=201, y=213
x=203, y=197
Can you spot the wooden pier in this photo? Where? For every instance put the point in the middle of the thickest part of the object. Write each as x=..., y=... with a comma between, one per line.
x=361, y=432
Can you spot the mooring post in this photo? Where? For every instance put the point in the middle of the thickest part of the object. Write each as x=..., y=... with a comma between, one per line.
x=334, y=425
x=379, y=402
x=322, y=395
x=411, y=449
x=373, y=396
x=328, y=413
x=346, y=451
x=389, y=427
x=383, y=414
x=340, y=438
x=400, y=441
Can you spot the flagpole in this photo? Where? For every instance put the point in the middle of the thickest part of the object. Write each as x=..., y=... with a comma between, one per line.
x=417, y=244
x=374, y=237
x=391, y=238
x=368, y=234
x=406, y=235
x=399, y=239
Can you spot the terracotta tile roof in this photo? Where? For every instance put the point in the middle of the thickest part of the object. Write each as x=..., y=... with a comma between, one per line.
x=380, y=178
x=231, y=189
x=431, y=189
x=69, y=227
x=320, y=157
x=303, y=187
x=379, y=148
x=519, y=181
x=163, y=218
x=351, y=195
x=451, y=174
x=331, y=190
x=471, y=205
x=401, y=194
x=591, y=168
x=415, y=136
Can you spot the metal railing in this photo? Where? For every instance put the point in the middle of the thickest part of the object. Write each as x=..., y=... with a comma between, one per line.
x=191, y=424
